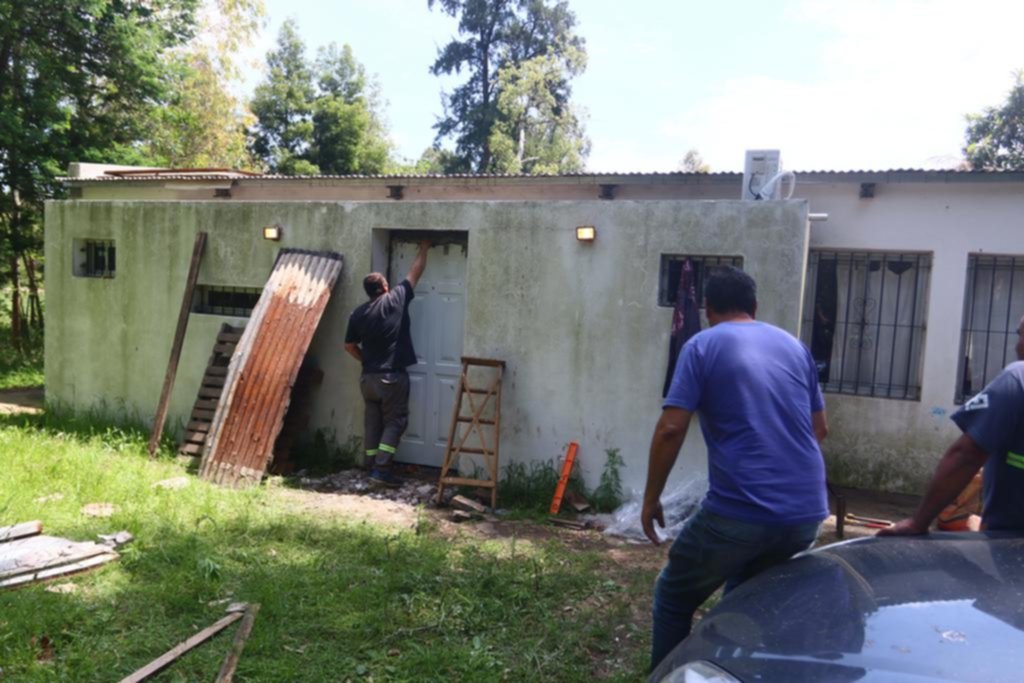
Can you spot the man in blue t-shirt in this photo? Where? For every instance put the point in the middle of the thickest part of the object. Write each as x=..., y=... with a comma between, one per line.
x=755, y=389
x=993, y=437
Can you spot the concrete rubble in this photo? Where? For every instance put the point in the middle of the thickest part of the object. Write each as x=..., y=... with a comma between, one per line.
x=415, y=490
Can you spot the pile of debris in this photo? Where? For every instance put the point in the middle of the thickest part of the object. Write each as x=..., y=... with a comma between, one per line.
x=414, y=490
x=27, y=556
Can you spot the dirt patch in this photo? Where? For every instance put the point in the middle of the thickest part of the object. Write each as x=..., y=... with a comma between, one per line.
x=874, y=504
x=352, y=507
x=21, y=401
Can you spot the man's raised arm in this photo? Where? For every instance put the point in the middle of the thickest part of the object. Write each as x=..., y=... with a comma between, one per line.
x=419, y=264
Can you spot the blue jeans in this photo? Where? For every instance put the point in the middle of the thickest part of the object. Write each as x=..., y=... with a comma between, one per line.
x=712, y=550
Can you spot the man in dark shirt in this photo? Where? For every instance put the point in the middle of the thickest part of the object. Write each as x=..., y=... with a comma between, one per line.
x=993, y=436
x=378, y=336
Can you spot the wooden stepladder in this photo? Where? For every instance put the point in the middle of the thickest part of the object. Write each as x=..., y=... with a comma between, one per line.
x=479, y=432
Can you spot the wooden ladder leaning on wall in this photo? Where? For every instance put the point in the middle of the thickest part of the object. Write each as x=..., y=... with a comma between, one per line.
x=487, y=428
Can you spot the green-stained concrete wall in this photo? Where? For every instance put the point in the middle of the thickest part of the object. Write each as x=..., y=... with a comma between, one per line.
x=578, y=324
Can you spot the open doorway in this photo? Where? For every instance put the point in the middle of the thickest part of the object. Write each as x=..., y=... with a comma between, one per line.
x=437, y=315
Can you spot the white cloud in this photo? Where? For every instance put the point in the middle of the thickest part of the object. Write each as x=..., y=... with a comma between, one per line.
x=894, y=81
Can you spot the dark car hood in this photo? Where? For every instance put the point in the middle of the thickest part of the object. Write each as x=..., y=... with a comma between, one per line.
x=942, y=607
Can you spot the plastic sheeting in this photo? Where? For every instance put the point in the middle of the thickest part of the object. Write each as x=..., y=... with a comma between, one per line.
x=677, y=504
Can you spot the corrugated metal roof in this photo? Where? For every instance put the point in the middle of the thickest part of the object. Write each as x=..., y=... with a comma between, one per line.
x=262, y=371
x=171, y=175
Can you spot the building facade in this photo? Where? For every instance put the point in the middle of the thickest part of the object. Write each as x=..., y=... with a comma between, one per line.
x=906, y=295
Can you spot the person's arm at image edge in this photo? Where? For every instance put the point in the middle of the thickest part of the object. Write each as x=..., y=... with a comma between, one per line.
x=958, y=465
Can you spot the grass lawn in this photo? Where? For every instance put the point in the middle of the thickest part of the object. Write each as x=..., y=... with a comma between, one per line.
x=340, y=601
x=18, y=369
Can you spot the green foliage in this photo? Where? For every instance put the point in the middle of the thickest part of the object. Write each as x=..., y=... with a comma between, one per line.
x=203, y=124
x=317, y=118
x=527, y=46
x=339, y=600
x=534, y=131
x=529, y=487
x=608, y=494
x=995, y=137
x=22, y=368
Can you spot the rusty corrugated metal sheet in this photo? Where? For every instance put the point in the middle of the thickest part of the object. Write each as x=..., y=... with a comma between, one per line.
x=258, y=386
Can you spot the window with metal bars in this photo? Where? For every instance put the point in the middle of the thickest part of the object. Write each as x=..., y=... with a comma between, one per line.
x=864, y=321
x=993, y=305
x=703, y=266
x=95, y=258
x=218, y=300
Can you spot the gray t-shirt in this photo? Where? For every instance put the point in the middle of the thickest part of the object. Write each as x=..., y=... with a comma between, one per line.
x=994, y=419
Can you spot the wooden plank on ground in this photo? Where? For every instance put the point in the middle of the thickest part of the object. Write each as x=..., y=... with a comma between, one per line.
x=61, y=570
x=217, y=371
x=179, y=339
x=23, y=530
x=168, y=658
x=191, y=449
x=210, y=392
x=198, y=426
x=213, y=381
x=227, y=669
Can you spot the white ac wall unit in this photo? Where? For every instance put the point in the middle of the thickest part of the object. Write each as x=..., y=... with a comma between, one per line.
x=760, y=167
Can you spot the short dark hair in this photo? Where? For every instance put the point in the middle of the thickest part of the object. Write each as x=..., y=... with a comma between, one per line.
x=373, y=285
x=730, y=290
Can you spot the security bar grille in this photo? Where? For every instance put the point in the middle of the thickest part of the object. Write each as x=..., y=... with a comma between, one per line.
x=993, y=305
x=98, y=258
x=233, y=301
x=864, y=320
x=672, y=269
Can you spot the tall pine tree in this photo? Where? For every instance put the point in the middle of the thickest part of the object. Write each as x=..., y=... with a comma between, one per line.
x=322, y=117
x=529, y=45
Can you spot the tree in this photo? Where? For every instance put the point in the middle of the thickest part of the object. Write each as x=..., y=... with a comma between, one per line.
x=501, y=36
x=317, y=118
x=693, y=162
x=78, y=81
x=533, y=131
x=995, y=137
x=204, y=124
x=283, y=106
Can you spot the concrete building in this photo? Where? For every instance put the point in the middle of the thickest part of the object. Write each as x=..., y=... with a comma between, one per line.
x=906, y=295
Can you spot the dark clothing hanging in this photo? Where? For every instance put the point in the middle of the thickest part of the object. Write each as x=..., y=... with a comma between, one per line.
x=685, y=319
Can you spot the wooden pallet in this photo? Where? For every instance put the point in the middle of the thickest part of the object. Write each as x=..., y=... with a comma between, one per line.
x=483, y=423
x=209, y=391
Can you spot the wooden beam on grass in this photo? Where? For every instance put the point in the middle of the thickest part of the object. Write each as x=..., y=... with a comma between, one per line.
x=179, y=339
x=23, y=530
x=227, y=669
x=169, y=657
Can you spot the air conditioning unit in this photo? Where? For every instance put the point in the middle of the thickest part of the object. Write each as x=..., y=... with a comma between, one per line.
x=760, y=167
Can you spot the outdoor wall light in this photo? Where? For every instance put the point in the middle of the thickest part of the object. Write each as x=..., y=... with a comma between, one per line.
x=586, y=233
x=272, y=232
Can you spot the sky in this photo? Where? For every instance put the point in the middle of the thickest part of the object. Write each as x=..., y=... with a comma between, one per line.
x=834, y=85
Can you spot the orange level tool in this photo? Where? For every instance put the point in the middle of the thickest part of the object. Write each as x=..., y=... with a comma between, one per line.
x=563, y=480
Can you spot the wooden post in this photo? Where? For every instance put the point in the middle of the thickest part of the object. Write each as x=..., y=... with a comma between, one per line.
x=179, y=338
x=227, y=669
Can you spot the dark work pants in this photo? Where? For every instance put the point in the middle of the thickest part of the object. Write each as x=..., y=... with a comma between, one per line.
x=712, y=550
x=386, y=396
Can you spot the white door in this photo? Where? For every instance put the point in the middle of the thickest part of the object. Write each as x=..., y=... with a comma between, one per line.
x=437, y=313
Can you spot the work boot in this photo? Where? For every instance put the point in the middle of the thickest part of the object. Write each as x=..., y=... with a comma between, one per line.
x=385, y=478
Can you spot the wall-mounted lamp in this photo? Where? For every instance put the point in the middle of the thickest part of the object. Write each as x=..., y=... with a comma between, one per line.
x=272, y=232
x=586, y=233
